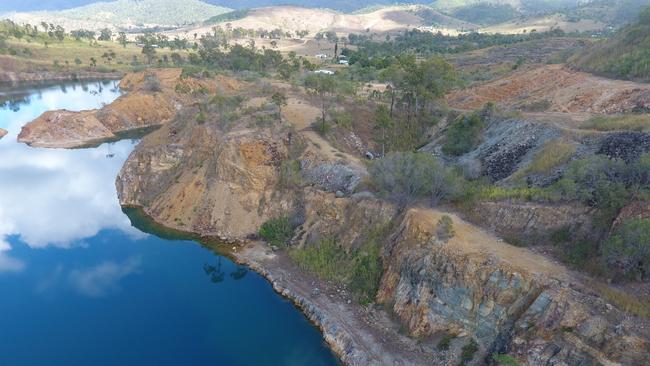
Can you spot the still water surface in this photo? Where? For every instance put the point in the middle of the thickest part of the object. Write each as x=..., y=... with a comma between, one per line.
x=80, y=286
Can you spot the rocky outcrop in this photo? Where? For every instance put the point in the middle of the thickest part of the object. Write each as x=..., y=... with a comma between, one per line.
x=3, y=133
x=152, y=100
x=507, y=299
x=627, y=146
x=219, y=182
x=532, y=223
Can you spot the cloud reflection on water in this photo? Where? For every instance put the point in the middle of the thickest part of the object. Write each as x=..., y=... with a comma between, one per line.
x=57, y=197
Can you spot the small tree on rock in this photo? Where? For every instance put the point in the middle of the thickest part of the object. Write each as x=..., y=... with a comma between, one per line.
x=280, y=100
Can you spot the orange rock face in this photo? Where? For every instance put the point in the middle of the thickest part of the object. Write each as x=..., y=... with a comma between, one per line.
x=152, y=99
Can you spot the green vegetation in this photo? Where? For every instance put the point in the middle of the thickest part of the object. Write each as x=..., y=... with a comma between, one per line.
x=467, y=352
x=445, y=342
x=552, y=155
x=409, y=176
x=359, y=269
x=423, y=43
x=627, y=122
x=626, y=55
x=228, y=17
x=633, y=303
x=628, y=250
x=464, y=134
x=505, y=360
x=277, y=232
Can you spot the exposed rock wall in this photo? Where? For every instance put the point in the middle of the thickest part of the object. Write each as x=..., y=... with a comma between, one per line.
x=508, y=299
x=533, y=223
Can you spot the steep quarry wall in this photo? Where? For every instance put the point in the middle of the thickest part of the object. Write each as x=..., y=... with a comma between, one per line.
x=506, y=298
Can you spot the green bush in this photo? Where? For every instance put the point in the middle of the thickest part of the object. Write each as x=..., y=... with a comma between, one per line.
x=277, y=231
x=468, y=351
x=463, y=135
x=445, y=342
x=407, y=176
x=445, y=229
x=360, y=269
x=628, y=250
x=505, y=360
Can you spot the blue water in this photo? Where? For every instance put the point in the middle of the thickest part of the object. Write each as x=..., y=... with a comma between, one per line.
x=80, y=286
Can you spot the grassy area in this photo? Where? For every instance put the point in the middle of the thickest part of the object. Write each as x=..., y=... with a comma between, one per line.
x=360, y=269
x=72, y=55
x=626, y=122
x=631, y=303
x=552, y=155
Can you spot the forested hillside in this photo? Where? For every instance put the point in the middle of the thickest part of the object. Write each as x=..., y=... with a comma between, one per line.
x=626, y=55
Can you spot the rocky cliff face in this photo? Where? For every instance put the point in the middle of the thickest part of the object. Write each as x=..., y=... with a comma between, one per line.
x=508, y=299
x=201, y=181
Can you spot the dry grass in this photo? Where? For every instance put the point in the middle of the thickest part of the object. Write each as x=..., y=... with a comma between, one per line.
x=627, y=122
x=632, y=303
x=40, y=57
x=553, y=154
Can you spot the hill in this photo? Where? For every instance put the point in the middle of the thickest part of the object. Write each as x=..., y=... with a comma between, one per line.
x=294, y=18
x=126, y=14
x=626, y=55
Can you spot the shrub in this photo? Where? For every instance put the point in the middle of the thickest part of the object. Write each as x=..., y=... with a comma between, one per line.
x=505, y=360
x=277, y=231
x=151, y=83
x=360, y=269
x=468, y=351
x=463, y=135
x=408, y=176
x=445, y=342
x=628, y=250
x=445, y=229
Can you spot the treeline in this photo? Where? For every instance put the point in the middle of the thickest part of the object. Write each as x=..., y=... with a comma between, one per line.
x=425, y=43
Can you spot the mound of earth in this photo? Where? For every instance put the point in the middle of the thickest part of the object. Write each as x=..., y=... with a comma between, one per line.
x=559, y=89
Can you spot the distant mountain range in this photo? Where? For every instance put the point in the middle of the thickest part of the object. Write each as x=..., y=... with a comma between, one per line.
x=498, y=15
x=342, y=5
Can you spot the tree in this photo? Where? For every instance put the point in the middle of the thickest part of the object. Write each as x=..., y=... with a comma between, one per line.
x=59, y=33
x=321, y=85
x=93, y=62
x=105, y=34
x=121, y=38
x=628, y=250
x=319, y=37
x=383, y=121
x=149, y=51
x=280, y=100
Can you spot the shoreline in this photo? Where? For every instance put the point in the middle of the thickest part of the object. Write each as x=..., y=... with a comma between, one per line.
x=356, y=334
x=10, y=80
